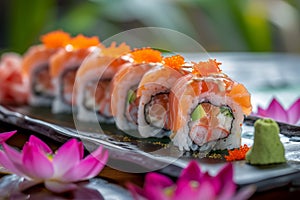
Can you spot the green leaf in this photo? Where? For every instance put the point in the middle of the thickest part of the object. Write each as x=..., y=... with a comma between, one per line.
x=27, y=19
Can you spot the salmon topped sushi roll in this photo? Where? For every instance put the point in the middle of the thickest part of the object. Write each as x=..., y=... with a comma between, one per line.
x=93, y=80
x=153, y=94
x=124, y=102
x=35, y=66
x=207, y=109
x=14, y=87
x=63, y=68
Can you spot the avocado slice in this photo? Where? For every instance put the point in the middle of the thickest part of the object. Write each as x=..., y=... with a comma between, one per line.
x=198, y=113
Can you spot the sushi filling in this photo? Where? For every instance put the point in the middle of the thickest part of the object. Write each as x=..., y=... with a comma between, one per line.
x=68, y=80
x=132, y=106
x=157, y=111
x=41, y=84
x=94, y=97
x=210, y=123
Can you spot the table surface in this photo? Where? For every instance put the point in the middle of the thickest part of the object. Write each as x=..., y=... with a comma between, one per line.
x=282, y=83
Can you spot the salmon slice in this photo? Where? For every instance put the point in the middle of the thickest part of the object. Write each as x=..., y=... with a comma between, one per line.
x=241, y=95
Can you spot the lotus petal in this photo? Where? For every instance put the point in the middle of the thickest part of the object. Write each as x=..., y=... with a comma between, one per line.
x=136, y=192
x=195, y=190
x=26, y=184
x=60, y=187
x=6, y=135
x=294, y=112
x=67, y=156
x=261, y=111
x=36, y=164
x=191, y=172
x=158, y=180
x=102, y=157
x=14, y=155
x=216, y=182
x=15, y=158
x=88, y=167
x=156, y=186
x=8, y=164
x=40, y=144
x=276, y=111
x=225, y=176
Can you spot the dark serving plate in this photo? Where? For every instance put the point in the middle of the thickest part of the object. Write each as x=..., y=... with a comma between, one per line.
x=131, y=154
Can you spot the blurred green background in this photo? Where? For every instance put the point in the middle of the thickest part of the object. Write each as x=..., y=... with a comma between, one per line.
x=219, y=25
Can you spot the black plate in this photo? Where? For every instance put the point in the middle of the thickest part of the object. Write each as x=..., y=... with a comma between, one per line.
x=143, y=155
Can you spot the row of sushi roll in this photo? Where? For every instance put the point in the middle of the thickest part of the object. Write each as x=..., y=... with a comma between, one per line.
x=51, y=68
x=143, y=92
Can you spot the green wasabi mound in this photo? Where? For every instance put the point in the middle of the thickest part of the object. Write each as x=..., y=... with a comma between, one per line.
x=267, y=147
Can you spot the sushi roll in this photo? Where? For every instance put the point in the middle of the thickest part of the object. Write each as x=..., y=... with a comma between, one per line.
x=153, y=94
x=36, y=68
x=207, y=109
x=13, y=85
x=63, y=68
x=124, y=103
x=93, y=81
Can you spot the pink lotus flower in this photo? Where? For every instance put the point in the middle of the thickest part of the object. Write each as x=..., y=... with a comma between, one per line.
x=5, y=136
x=191, y=184
x=58, y=171
x=276, y=111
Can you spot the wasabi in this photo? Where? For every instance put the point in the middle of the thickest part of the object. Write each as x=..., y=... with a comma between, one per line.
x=267, y=147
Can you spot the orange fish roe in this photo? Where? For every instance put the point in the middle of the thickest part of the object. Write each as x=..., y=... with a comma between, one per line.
x=237, y=154
x=82, y=42
x=174, y=62
x=206, y=68
x=146, y=55
x=55, y=39
x=115, y=51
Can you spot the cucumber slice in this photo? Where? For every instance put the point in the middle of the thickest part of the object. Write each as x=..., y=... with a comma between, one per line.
x=131, y=96
x=226, y=111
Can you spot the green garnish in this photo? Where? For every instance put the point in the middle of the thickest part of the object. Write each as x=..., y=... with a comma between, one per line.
x=198, y=113
x=131, y=96
x=226, y=111
x=267, y=147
